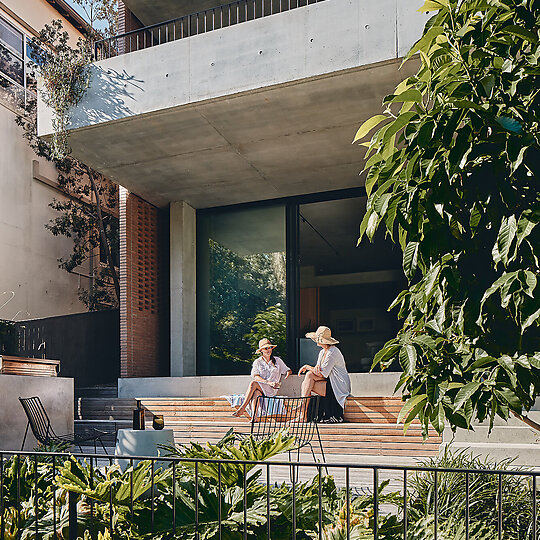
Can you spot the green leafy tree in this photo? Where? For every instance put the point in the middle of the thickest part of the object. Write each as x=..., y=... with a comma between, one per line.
x=452, y=175
x=102, y=16
x=87, y=212
x=241, y=287
x=272, y=324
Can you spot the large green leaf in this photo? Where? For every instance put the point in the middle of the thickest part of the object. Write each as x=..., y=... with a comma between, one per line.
x=407, y=359
x=410, y=259
x=368, y=125
x=465, y=394
x=410, y=405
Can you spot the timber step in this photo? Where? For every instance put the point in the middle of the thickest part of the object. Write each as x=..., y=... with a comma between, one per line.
x=370, y=427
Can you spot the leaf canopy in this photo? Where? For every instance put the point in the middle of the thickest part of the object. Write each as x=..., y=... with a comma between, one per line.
x=452, y=175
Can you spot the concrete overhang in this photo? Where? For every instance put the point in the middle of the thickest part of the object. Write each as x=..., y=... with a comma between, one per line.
x=261, y=110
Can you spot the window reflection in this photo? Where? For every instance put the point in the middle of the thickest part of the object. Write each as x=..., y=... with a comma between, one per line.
x=241, y=287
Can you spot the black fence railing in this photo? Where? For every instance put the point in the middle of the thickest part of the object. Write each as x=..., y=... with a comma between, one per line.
x=193, y=24
x=54, y=495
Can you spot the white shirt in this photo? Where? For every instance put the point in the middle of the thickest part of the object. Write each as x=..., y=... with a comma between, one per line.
x=269, y=372
x=333, y=367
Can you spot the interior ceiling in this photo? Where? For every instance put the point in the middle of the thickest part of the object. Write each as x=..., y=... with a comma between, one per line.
x=328, y=236
x=250, y=231
x=271, y=143
x=156, y=11
x=328, y=239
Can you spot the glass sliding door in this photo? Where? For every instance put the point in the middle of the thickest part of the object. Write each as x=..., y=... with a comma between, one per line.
x=241, y=286
x=345, y=287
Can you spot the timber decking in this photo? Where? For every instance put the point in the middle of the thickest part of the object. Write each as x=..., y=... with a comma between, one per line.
x=370, y=427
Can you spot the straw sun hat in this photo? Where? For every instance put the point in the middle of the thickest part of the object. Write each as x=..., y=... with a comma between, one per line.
x=322, y=335
x=263, y=343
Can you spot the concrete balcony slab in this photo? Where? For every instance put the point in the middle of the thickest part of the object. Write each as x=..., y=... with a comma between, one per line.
x=261, y=110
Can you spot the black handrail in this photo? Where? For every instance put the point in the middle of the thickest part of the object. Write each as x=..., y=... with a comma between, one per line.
x=94, y=461
x=196, y=23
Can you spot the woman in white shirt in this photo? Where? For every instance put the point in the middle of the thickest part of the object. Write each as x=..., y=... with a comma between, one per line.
x=330, y=368
x=266, y=373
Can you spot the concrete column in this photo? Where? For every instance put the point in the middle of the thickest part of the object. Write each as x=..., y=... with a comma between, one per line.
x=183, y=290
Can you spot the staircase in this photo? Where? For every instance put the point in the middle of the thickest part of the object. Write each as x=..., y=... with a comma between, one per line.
x=100, y=407
x=370, y=423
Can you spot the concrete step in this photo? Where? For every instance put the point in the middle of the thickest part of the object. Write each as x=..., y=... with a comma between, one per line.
x=505, y=434
x=101, y=391
x=525, y=455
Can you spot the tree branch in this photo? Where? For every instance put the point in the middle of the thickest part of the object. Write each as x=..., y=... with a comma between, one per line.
x=527, y=420
x=104, y=241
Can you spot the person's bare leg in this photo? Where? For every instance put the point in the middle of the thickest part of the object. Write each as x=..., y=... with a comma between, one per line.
x=254, y=387
x=311, y=383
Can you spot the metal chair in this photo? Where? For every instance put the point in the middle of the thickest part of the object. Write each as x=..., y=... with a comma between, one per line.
x=297, y=415
x=39, y=422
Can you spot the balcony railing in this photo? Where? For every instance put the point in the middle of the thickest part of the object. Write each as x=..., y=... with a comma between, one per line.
x=194, y=24
x=169, y=497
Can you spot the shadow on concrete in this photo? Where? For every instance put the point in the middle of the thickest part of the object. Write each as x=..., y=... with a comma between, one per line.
x=108, y=97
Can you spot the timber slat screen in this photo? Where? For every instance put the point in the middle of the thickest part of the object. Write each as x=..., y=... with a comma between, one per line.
x=194, y=24
x=172, y=497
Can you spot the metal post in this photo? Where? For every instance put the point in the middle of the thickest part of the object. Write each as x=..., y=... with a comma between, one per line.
x=405, y=512
x=466, y=506
x=72, y=508
x=1, y=496
x=499, y=518
x=375, y=504
x=534, y=512
x=436, y=506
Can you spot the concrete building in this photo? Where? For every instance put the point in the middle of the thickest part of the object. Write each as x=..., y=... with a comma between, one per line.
x=230, y=130
x=31, y=284
x=232, y=134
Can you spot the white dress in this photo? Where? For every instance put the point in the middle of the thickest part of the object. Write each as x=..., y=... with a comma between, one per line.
x=333, y=368
x=269, y=372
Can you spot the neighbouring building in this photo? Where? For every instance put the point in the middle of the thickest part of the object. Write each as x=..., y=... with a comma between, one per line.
x=40, y=297
x=230, y=130
x=31, y=284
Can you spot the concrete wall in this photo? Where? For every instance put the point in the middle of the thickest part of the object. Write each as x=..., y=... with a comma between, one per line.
x=29, y=272
x=312, y=41
x=56, y=394
x=508, y=440
x=363, y=384
x=30, y=281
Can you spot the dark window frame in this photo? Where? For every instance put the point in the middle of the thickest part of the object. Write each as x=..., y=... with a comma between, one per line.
x=292, y=242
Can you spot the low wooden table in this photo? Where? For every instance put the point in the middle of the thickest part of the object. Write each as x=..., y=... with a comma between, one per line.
x=142, y=442
x=36, y=367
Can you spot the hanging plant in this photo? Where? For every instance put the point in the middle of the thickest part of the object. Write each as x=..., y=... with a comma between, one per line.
x=66, y=75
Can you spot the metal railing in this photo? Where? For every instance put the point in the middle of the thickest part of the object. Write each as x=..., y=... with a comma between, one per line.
x=194, y=24
x=177, y=492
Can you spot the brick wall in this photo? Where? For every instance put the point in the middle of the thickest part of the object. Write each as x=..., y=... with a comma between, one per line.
x=144, y=274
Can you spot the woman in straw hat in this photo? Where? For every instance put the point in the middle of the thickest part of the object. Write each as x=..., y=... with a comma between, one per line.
x=330, y=368
x=266, y=373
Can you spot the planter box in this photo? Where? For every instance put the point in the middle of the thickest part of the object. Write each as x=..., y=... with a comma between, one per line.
x=36, y=367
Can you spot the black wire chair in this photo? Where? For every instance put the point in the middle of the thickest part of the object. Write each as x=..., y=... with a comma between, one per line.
x=39, y=422
x=296, y=415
